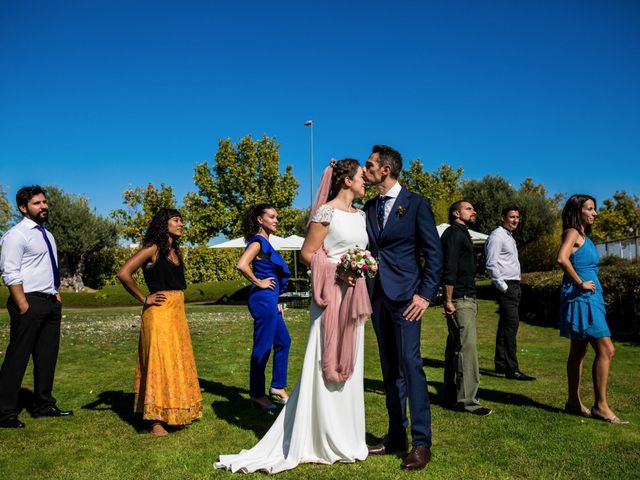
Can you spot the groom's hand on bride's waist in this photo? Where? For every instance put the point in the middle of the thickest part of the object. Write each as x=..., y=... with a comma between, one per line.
x=417, y=308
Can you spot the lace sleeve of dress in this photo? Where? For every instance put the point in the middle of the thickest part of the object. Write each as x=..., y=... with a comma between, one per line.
x=361, y=212
x=323, y=214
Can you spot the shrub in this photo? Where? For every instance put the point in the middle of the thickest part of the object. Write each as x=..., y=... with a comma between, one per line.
x=202, y=265
x=540, y=302
x=613, y=260
x=101, y=267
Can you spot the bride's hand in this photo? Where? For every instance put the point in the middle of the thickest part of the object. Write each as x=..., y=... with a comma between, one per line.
x=348, y=278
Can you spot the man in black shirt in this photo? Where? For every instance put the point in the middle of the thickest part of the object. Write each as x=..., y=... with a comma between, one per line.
x=461, y=375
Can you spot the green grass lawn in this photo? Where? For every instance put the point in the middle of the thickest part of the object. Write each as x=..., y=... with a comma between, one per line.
x=528, y=436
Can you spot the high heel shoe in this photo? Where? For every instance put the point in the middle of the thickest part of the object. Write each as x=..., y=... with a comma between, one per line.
x=277, y=398
x=263, y=403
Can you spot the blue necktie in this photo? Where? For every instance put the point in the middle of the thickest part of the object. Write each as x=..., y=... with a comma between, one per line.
x=54, y=266
x=381, y=201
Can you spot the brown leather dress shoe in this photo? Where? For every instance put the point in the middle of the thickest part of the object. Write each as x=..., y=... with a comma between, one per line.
x=386, y=447
x=417, y=458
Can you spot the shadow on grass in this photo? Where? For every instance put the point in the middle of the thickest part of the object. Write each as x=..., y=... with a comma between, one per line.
x=373, y=386
x=121, y=403
x=26, y=400
x=432, y=363
x=495, y=396
x=239, y=297
x=236, y=409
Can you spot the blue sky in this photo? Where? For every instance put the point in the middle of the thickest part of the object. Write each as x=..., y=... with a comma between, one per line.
x=99, y=96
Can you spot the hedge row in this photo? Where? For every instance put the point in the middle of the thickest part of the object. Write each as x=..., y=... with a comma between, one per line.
x=202, y=265
x=621, y=286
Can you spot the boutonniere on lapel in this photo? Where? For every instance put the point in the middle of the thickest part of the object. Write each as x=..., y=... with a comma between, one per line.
x=400, y=211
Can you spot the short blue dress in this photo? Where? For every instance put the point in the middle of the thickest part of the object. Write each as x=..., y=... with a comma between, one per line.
x=582, y=312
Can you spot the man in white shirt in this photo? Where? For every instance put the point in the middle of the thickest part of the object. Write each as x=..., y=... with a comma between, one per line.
x=503, y=268
x=29, y=267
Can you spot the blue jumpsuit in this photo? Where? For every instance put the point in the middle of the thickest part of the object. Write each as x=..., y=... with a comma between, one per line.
x=269, y=329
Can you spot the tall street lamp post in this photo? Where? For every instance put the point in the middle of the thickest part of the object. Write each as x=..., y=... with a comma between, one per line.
x=309, y=123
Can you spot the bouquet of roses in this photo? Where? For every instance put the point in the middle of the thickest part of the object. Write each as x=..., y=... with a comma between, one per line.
x=358, y=261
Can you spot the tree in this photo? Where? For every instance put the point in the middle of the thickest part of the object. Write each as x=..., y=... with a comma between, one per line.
x=540, y=254
x=244, y=174
x=489, y=196
x=618, y=217
x=538, y=212
x=300, y=227
x=6, y=211
x=142, y=204
x=78, y=231
x=442, y=187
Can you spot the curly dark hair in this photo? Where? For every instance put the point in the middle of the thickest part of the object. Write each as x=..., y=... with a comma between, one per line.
x=158, y=232
x=251, y=226
x=342, y=169
x=572, y=213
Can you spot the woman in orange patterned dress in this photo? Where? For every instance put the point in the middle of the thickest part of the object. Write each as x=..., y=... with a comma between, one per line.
x=167, y=392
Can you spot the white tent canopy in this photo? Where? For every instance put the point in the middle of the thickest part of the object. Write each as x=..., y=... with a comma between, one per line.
x=293, y=242
x=296, y=241
x=476, y=237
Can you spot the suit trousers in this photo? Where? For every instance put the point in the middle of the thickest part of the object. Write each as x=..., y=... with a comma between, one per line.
x=402, y=370
x=35, y=334
x=461, y=371
x=506, y=358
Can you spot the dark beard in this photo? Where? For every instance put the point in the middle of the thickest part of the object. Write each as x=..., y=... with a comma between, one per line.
x=40, y=217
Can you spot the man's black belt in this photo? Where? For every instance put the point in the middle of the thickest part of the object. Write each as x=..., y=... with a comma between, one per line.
x=48, y=296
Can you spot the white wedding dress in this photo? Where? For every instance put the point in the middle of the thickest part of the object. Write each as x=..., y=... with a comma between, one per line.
x=321, y=422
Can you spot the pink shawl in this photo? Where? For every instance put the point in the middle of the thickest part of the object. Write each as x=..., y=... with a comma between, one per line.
x=339, y=318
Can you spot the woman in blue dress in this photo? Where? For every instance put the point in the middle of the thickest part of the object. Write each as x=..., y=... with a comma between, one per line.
x=582, y=309
x=268, y=272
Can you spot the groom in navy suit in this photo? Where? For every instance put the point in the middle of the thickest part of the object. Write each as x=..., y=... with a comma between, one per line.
x=404, y=239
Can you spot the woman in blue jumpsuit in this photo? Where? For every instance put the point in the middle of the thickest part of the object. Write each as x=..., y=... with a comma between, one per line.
x=263, y=266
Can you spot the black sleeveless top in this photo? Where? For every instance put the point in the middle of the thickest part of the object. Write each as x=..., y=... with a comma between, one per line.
x=164, y=275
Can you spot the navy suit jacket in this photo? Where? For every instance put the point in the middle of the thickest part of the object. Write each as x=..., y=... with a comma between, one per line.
x=410, y=232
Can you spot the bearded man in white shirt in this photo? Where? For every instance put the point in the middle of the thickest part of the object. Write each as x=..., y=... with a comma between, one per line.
x=29, y=267
x=503, y=268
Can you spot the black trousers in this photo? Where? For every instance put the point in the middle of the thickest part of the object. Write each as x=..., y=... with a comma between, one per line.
x=508, y=302
x=34, y=334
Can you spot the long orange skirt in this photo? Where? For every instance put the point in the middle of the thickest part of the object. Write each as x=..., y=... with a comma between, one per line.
x=167, y=387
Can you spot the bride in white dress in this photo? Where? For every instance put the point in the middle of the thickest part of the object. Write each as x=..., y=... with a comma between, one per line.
x=323, y=421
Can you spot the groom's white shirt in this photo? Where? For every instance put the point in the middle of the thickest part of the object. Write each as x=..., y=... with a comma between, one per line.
x=392, y=194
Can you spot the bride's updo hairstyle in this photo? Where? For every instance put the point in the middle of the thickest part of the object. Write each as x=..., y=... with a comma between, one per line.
x=251, y=226
x=342, y=169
